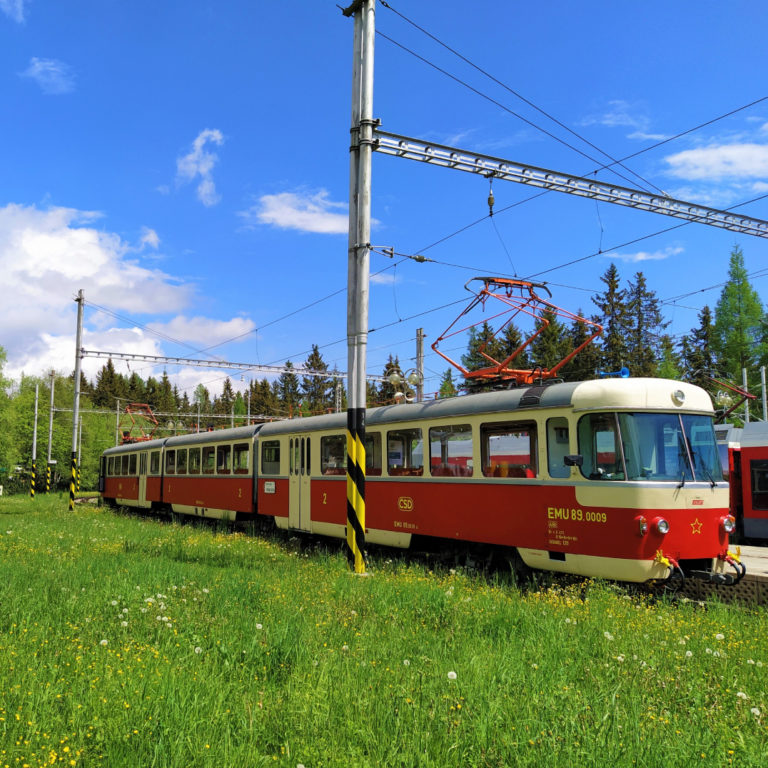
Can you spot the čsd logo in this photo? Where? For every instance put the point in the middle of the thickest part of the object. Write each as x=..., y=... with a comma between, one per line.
x=405, y=503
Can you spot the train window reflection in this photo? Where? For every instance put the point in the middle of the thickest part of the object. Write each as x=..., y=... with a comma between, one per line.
x=154, y=463
x=405, y=452
x=270, y=457
x=333, y=455
x=509, y=449
x=170, y=462
x=209, y=460
x=648, y=446
x=223, y=459
x=373, y=454
x=240, y=459
x=450, y=451
x=557, y=447
x=181, y=462
x=194, y=461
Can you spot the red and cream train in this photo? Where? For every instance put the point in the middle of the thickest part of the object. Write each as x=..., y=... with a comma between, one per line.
x=612, y=478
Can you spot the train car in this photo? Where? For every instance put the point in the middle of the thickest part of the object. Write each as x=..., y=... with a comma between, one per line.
x=613, y=478
x=744, y=455
x=130, y=474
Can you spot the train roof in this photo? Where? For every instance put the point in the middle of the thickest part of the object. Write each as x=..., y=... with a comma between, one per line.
x=615, y=394
x=214, y=436
x=597, y=394
x=139, y=445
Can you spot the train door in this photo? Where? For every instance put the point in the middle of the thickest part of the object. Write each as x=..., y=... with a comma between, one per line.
x=299, y=468
x=143, y=479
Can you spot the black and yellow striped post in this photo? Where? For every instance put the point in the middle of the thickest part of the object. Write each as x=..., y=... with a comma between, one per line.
x=48, y=479
x=32, y=480
x=356, y=488
x=72, y=481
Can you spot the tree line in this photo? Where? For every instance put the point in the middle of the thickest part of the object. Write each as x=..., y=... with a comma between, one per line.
x=732, y=337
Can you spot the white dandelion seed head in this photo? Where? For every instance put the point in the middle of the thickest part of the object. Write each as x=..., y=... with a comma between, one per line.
x=607, y=635
x=719, y=636
x=742, y=695
x=708, y=650
x=452, y=675
x=123, y=623
x=406, y=663
x=688, y=654
x=259, y=626
x=125, y=610
x=104, y=642
x=750, y=661
x=345, y=648
x=758, y=663
x=198, y=649
x=114, y=602
x=620, y=659
x=755, y=711
x=205, y=590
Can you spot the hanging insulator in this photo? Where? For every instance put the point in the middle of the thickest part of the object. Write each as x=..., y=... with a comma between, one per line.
x=491, y=199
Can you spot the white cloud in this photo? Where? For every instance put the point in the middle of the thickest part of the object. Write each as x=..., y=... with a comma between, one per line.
x=149, y=238
x=46, y=256
x=725, y=161
x=304, y=211
x=198, y=163
x=54, y=77
x=204, y=330
x=14, y=9
x=619, y=114
x=384, y=278
x=640, y=256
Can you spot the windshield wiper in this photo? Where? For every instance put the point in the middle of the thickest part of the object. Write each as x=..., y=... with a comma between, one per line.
x=681, y=484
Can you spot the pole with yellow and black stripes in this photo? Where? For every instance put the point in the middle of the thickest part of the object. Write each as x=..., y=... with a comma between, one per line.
x=356, y=488
x=34, y=447
x=76, y=404
x=358, y=269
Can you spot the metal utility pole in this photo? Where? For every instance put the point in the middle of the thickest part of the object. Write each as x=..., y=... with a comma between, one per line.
x=50, y=438
x=76, y=406
x=420, y=364
x=358, y=271
x=34, y=445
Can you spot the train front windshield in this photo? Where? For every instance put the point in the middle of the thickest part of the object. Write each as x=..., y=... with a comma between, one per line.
x=649, y=446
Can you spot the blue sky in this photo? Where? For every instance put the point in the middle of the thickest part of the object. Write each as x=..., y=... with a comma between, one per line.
x=186, y=165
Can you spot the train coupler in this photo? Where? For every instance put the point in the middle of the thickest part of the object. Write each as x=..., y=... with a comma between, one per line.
x=734, y=560
x=675, y=576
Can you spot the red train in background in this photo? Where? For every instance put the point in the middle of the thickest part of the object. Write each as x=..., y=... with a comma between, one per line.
x=744, y=459
x=612, y=478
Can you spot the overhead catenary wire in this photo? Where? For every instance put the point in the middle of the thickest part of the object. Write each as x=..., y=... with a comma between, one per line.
x=522, y=98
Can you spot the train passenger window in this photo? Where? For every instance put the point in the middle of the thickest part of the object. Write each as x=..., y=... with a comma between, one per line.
x=296, y=459
x=111, y=465
x=450, y=451
x=557, y=447
x=270, y=457
x=209, y=460
x=759, y=472
x=194, y=461
x=509, y=449
x=170, y=462
x=143, y=463
x=600, y=445
x=333, y=455
x=181, y=462
x=124, y=463
x=132, y=464
x=223, y=459
x=405, y=452
x=373, y=454
x=154, y=463
x=240, y=458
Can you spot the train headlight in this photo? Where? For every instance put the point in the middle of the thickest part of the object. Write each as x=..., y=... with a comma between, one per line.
x=642, y=524
x=729, y=524
x=661, y=525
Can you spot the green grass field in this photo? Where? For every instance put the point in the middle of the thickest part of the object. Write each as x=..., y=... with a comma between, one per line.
x=127, y=641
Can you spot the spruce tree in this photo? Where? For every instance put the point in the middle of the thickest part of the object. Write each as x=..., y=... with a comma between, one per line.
x=738, y=332
x=644, y=325
x=613, y=317
x=317, y=390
